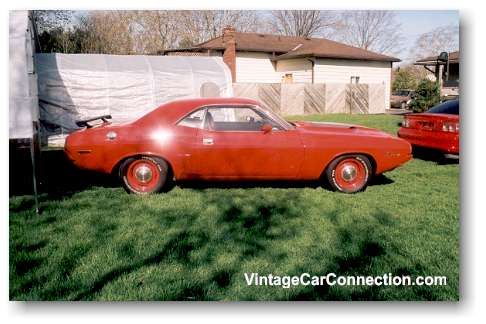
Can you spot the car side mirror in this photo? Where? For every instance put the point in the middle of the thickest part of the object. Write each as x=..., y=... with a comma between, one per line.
x=267, y=128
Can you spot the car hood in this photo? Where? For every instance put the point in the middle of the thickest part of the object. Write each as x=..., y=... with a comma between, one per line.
x=338, y=128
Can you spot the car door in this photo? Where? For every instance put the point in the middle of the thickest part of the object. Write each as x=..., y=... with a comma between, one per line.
x=232, y=145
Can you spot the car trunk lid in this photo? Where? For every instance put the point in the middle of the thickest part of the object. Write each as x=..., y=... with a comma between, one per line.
x=431, y=122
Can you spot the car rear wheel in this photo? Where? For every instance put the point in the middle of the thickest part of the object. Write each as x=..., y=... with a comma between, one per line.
x=349, y=173
x=144, y=175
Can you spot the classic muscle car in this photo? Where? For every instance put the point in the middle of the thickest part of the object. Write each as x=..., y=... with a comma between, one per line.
x=232, y=139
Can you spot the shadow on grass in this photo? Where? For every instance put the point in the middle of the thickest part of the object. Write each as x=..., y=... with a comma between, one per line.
x=246, y=184
x=432, y=155
x=380, y=180
x=58, y=178
x=248, y=227
x=362, y=249
x=177, y=248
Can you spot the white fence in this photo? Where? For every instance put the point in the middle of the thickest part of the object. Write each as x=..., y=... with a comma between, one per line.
x=324, y=98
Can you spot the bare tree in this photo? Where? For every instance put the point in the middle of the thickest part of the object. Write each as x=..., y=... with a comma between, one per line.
x=305, y=23
x=108, y=32
x=147, y=32
x=375, y=30
x=153, y=31
x=201, y=25
x=57, y=31
x=47, y=20
x=440, y=39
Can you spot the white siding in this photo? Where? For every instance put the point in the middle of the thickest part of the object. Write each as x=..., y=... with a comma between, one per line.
x=341, y=71
x=258, y=68
x=301, y=70
x=253, y=67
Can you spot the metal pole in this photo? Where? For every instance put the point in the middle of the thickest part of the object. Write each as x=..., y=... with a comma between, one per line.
x=34, y=178
x=447, y=74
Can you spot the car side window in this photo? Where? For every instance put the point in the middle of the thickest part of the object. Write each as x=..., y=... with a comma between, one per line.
x=194, y=120
x=234, y=119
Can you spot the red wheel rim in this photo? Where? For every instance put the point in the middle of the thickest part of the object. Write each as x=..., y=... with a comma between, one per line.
x=143, y=175
x=350, y=174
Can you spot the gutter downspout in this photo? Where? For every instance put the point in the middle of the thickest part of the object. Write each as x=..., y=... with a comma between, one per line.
x=313, y=63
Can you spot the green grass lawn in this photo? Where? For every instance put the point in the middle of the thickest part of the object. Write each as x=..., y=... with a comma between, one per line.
x=196, y=242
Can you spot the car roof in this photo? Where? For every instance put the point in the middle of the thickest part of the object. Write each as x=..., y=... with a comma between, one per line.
x=176, y=109
x=216, y=100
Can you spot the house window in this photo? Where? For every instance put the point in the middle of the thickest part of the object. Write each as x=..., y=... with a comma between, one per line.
x=355, y=79
x=288, y=78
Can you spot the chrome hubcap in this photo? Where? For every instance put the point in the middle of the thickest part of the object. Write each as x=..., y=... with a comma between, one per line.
x=348, y=173
x=143, y=174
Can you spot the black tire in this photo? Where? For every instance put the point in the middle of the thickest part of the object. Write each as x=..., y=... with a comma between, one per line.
x=362, y=168
x=159, y=169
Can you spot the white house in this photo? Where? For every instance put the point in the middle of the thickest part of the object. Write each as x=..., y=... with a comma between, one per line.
x=265, y=58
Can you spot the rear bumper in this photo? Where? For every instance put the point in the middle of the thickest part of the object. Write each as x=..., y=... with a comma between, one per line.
x=442, y=141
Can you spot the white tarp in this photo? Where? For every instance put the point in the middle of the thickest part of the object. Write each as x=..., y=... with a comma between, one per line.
x=79, y=86
x=23, y=106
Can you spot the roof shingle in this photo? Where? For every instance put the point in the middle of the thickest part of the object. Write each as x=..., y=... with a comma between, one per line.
x=291, y=47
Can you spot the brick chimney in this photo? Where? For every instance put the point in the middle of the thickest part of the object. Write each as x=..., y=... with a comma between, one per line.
x=229, y=54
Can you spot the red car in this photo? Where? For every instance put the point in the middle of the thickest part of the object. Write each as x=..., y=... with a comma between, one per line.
x=232, y=139
x=438, y=128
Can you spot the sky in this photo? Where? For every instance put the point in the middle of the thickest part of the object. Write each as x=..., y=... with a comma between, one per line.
x=416, y=22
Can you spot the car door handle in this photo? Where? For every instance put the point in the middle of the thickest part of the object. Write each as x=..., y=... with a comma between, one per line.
x=208, y=141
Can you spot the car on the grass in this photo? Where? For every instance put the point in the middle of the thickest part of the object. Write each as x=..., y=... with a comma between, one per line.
x=401, y=98
x=232, y=139
x=437, y=128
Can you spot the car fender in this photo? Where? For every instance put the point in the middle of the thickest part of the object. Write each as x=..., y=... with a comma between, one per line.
x=114, y=167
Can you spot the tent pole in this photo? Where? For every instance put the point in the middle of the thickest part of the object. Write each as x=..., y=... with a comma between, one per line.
x=34, y=179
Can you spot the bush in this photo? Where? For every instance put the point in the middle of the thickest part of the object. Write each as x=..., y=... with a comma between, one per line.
x=427, y=95
x=404, y=79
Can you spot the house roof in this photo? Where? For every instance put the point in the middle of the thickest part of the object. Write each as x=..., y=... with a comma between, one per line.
x=291, y=47
x=453, y=58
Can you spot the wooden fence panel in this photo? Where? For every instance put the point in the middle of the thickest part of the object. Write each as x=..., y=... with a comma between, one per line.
x=270, y=96
x=357, y=98
x=336, y=98
x=314, y=99
x=376, y=95
x=306, y=98
x=292, y=102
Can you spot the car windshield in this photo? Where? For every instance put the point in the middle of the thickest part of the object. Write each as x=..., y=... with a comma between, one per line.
x=448, y=107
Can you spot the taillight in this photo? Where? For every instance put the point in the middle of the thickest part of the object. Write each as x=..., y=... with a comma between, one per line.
x=450, y=127
x=405, y=122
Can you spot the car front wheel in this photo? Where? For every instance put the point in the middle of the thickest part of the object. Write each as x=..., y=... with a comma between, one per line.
x=144, y=175
x=349, y=173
